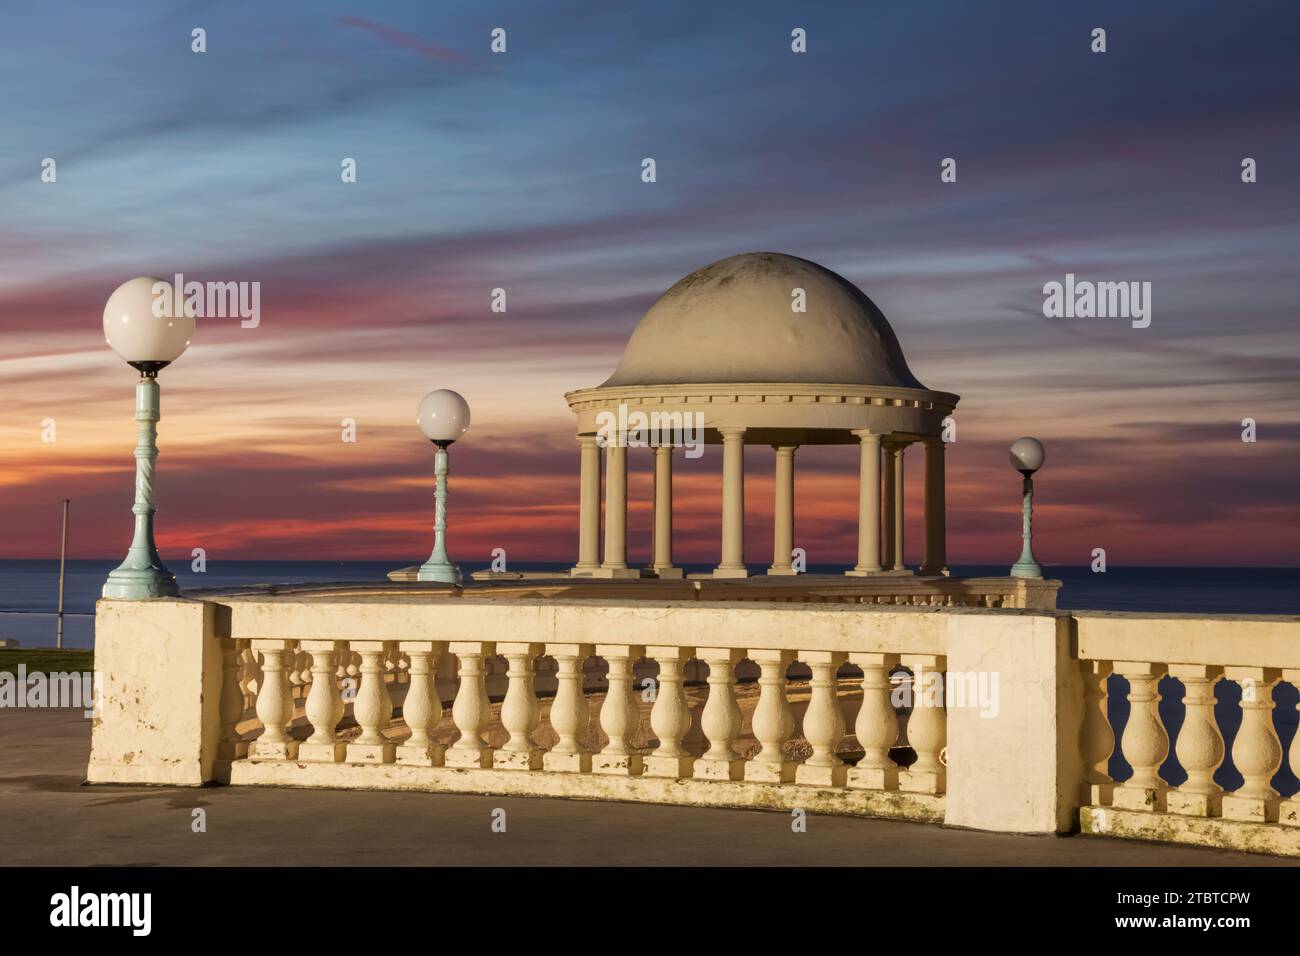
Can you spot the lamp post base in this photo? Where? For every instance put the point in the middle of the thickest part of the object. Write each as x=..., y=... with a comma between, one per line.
x=442, y=573
x=1026, y=569
x=131, y=584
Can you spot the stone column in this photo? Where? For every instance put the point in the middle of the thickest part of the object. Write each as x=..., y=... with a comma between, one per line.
x=733, y=505
x=896, y=450
x=662, y=562
x=783, y=511
x=615, y=506
x=588, y=508
x=868, y=505
x=936, y=561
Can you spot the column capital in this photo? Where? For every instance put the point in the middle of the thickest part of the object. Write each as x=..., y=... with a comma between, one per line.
x=785, y=449
x=934, y=442
x=732, y=431
x=866, y=435
x=587, y=441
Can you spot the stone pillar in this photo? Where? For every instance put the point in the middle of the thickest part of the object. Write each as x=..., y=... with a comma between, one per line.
x=615, y=508
x=733, y=505
x=662, y=561
x=900, y=493
x=783, y=511
x=936, y=560
x=588, y=508
x=868, y=505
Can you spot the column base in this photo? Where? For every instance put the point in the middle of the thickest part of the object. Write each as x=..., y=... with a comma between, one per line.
x=583, y=570
x=468, y=758
x=322, y=753
x=782, y=571
x=721, y=572
x=372, y=753
x=286, y=750
x=834, y=775
x=132, y=584
x=616, y=573
x=430, y=756
x=1253, y=809
x=620, y=765
x=1026, y=569
x=441, y=573
x=770, y=771
x=922, y=781
x=672, y=768
x=566, y=763
x=873, y=778
x=668, y=572
x=530, y=759
x=706, y=769
x=1195, y=804
x=1146, y=799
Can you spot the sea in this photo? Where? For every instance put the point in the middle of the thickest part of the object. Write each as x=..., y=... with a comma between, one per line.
x=29, y=588
x=29, y=598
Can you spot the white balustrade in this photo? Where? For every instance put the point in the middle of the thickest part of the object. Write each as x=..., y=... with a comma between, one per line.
x=520, y=711
x=720, y=720
x=373, y=707
x=324, y=707
x=823, y=723
x=274, y=703
x=619, y=714
x=422, y=708
x=773, y=720
x=876, y=726
x=570, y=714
x=471, y=710
x=927, y=727
x=670, y=716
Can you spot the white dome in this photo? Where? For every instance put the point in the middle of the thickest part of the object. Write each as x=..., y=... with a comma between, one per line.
x=732, y=322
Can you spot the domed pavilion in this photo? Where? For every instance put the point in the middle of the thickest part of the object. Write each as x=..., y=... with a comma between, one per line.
x=762, y=349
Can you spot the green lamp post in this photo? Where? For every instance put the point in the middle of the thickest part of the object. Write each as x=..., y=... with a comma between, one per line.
x=1027, y=456
x=443, y=416
x=140, y=327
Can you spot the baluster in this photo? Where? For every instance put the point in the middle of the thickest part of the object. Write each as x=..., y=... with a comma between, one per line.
x=324, y=704
x=1289, y=810
x=1096, y=738
x=1256, y=751
x=773, y=721
x=232, y=745
x=569, y=712
x=619, y=715
x=670, y=717
x=927, y=728
x=1144, y=743
x=471, y=709
x=1199, y=747
x=720, y=720
x=520, y=711
x=250, y=676
x=274, y=705
x=422, y=709
x=876, y=726
x=373, y=707
x=823, y=723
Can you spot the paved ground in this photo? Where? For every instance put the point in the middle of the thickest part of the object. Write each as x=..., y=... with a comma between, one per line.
x=48, y=817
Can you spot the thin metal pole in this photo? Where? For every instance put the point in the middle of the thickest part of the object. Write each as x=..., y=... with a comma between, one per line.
x=63, y=554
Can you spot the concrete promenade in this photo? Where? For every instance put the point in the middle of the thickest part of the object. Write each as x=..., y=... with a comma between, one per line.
x=47, y=817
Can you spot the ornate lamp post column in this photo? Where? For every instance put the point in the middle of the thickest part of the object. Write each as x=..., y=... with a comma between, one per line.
x=140, y=327
x=1027, y=456
x=443, y=416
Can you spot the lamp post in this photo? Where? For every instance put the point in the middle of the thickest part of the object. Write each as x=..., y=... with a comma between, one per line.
x=1027, y=456
x=443, y=416
x=140, y=327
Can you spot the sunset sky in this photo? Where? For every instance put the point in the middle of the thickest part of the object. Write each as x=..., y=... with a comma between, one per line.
x=522, y=170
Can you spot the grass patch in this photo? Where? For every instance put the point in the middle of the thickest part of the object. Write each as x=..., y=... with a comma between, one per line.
x=46, y=659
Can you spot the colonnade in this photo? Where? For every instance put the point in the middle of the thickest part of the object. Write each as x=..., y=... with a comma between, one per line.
x=881, y=508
